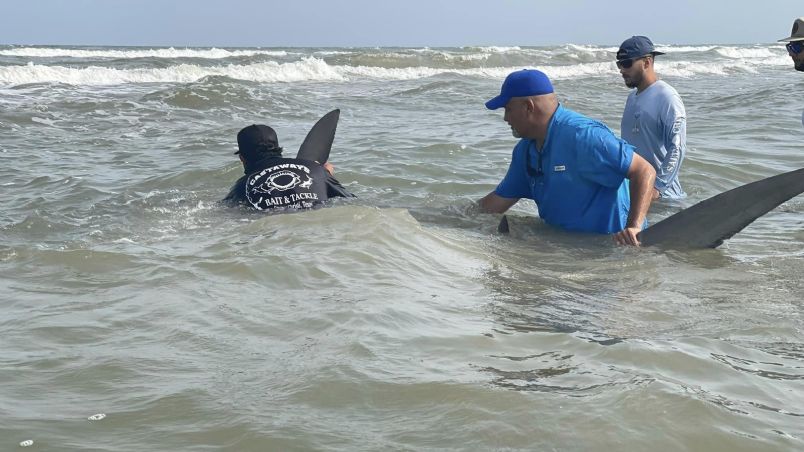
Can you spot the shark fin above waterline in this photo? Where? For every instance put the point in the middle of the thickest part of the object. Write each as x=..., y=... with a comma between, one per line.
x=503, y=227
x=318, y=142
x=711, y=221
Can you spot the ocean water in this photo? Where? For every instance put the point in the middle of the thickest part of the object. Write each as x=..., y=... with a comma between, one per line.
x=140, y=314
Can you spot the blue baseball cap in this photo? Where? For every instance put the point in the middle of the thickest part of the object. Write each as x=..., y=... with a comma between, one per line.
x=527, y=82
x=635, y=47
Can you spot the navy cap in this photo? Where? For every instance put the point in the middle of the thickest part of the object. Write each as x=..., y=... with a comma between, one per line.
x=524, y=83
x=257, y=139
x=635, y=47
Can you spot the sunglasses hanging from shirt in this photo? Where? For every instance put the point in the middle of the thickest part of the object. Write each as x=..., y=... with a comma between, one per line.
x=537, y=171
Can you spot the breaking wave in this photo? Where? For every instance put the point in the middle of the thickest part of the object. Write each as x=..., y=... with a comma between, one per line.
x=312, y=65
x=213, y=53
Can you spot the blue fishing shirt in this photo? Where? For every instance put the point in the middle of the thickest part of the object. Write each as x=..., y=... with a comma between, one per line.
x=577, y=179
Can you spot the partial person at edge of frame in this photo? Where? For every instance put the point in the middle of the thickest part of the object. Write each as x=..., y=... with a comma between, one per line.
x=795, y=48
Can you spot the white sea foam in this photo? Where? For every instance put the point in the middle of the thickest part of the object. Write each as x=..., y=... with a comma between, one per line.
x=446, y=55
x=462, y=53
x=333, y=52
x=726, y=51
x=735, y=52
x=589, y=49
x=316, y=69
x=672, y=49
x=690, y=69
x=213, y=53
x=306, y=69
x=496, y=49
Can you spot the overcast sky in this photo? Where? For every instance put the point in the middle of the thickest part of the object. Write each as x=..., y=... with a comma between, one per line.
x=433, y=23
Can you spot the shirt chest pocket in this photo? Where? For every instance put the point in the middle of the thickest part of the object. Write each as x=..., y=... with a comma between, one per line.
x=558, y=181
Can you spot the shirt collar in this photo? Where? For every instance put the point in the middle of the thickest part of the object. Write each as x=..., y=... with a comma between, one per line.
x=556, y=114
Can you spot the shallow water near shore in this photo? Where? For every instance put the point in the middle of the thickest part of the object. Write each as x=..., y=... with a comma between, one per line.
x=140, y=314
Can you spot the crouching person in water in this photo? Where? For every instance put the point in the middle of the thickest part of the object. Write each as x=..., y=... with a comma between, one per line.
x=274, y=182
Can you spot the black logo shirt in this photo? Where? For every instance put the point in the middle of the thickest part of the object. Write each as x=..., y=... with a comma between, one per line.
x=286, y=184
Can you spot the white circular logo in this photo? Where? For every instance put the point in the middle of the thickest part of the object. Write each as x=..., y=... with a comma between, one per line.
x=279, y=186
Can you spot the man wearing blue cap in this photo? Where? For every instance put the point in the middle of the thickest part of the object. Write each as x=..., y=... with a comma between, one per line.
x=574, y=167
x=654, y=119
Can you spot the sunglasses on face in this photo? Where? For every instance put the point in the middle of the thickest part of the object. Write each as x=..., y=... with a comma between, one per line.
x=626, y=64
x=795, y=47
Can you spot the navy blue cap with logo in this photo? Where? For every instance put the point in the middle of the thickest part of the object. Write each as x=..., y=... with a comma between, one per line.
x=636, y=47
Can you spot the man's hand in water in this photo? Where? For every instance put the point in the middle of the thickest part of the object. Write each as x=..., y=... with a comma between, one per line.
x=627, y=236
x=330, y=169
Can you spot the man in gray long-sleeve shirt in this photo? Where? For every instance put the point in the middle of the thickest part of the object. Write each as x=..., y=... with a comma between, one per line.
x=654, y=120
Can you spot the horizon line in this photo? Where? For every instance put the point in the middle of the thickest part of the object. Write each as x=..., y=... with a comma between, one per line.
x=369, y=46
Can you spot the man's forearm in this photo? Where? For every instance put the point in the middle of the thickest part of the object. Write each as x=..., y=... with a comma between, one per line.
x=642, y=177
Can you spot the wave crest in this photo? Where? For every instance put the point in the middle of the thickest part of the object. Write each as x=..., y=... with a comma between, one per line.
x=213, y=53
